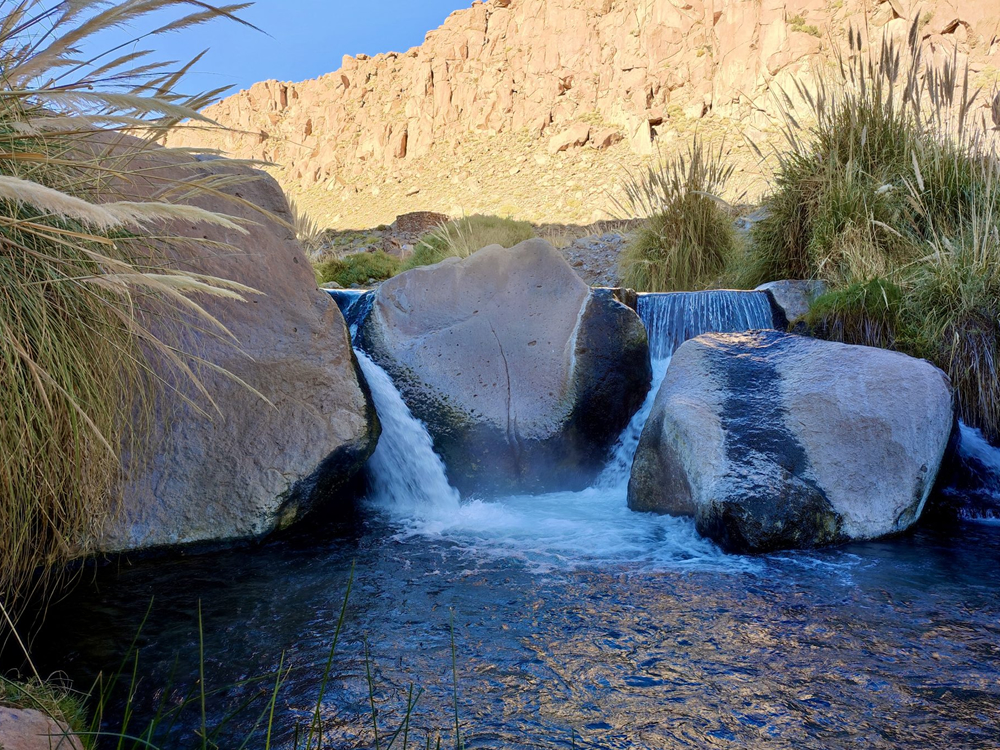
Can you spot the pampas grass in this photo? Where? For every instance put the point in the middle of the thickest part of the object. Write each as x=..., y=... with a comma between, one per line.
x=81, y=271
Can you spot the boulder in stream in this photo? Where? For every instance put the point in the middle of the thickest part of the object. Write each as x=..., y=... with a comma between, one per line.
x=523, y=375
x=246, y=465
x=773, y=441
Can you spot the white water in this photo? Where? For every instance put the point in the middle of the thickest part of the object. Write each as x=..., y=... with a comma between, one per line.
x=975, y=446
x=560, y=529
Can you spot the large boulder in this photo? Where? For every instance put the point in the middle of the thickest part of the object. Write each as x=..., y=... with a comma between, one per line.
x=244, y=466
x=523, y=374
x=793, y=298
x=774, y=441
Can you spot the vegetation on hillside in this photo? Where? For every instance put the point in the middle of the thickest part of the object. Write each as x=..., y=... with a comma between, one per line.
x=887, y=188
x=689, y=236
x=76, y=266
x=462, y=237
x=358, y=268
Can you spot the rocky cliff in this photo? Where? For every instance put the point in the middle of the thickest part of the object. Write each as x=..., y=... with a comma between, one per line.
x=562, y=72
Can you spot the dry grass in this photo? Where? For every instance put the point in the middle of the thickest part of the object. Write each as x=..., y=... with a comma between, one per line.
x=689, y=236
x=75, y=373
x=462, y=237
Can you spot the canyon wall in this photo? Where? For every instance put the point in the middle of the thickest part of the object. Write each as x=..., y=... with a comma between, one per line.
x=626, y=67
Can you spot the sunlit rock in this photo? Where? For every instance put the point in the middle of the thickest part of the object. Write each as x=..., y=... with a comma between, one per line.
x=775, y=441
x=523, y=375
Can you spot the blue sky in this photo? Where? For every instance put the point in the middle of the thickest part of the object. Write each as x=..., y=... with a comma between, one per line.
x=305, y=38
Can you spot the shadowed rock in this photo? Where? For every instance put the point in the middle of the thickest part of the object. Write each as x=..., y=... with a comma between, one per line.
x=248, y=466
x=523, y=375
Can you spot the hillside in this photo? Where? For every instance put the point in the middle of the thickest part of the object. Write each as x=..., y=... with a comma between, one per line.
x=472, y=119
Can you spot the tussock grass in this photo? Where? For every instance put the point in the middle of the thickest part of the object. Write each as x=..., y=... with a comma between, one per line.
x=892, y=196
x=462, y=237
x=358, y=268
x=78, y=268
x=689, y=236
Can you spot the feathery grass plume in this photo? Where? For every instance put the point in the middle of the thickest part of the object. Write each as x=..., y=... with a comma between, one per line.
x=893, y=197
x=79, y=262
x=307, y=231
x=689, y=234
x=462, y=237
x=841, y=208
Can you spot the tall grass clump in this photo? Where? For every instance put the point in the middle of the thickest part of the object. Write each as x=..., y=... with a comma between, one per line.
x=888, y=190
x=462, y=237
x=689, y=236
x=79, y=264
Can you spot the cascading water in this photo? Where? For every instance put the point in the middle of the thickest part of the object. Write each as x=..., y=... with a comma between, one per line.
x=977, y=488
x=673, y=318
x=407, y=476
x=557, y=529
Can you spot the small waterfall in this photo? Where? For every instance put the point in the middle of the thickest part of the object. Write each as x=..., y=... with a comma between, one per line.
x=354, y=304
x=408, y=477
x=673, y=318
x=979, y=482
x=670, y=320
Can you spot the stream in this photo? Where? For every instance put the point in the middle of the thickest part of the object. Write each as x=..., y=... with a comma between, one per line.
x=560, y=620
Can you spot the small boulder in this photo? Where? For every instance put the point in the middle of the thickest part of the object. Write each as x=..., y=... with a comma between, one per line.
x=576, y=136
x=775, y=441
x=523, y=375
x=28, y=729
x=606, y=138
x=793, y=297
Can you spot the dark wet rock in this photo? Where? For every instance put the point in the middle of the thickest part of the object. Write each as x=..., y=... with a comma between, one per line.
x=523, y=375
x=775, y=441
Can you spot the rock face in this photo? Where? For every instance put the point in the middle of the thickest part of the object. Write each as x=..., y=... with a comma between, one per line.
x=27, y=729
x=523, y=375
x=775, y=441
x=541, y=65
x=251, y=466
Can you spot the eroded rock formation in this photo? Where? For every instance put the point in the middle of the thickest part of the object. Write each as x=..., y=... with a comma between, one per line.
x=558, y=68
x=523, y=375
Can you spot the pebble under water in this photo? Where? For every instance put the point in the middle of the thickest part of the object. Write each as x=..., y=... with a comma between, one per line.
x=574, y=623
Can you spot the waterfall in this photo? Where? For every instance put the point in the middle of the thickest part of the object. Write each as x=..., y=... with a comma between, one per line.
x=673, y=318
x=557, y=529
x=978, y=489
x=354, y=304
x=407, y=476
x=670, y=320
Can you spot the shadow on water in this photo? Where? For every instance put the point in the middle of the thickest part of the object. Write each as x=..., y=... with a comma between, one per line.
x=577, y=623
x=889, y=644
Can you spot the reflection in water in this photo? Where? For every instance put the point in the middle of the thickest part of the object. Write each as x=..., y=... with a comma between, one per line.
x=893, y=644
x=576, y=622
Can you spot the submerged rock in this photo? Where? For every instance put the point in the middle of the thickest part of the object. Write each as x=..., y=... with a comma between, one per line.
x=775, y=441
x=245, y=466
x=523, y=375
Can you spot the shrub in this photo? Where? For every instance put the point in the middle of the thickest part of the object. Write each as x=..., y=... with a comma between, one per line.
x=893, y=198
x=465, y=236
x=358, y=268
x=689, y=236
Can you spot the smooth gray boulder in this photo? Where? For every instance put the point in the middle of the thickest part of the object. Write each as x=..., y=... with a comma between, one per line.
x=523, y=375
x=773, y=441
x=250, y=466
x=793, y=297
